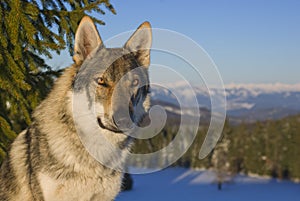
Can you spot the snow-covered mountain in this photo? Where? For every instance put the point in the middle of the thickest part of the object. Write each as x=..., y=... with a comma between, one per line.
x=244, y=101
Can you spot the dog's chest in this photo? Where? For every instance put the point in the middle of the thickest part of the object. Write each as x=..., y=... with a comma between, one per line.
x=83, y=189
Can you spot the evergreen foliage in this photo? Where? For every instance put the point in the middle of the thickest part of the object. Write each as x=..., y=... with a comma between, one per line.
x=31, y=30
x=220, y=161
x=265, y=148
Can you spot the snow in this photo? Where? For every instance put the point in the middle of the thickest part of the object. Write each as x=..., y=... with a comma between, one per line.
x=237, y=105
x=176, y=184
x=240, y=98
x=253, y=88
x=266, y=88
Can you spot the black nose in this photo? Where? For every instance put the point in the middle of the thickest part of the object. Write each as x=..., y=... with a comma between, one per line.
x=123, y=122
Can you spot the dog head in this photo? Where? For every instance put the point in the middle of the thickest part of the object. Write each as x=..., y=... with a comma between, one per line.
x=114, y=80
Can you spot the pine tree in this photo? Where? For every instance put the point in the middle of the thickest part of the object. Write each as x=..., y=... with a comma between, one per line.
x=220, y=158
x=31, y=30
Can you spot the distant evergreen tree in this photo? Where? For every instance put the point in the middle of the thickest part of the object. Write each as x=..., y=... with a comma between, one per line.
x=29, y=31
x=220, y=161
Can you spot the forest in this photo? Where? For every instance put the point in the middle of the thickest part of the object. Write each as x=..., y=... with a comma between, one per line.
x=268, y=148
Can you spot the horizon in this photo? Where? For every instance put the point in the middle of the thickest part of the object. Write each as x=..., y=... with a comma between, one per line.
x=250, y=42
x=276, y=86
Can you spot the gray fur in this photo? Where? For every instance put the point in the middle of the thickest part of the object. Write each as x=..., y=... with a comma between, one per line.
x=48, y=161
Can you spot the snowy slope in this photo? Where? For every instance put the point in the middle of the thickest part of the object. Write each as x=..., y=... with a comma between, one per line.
x=178, y=184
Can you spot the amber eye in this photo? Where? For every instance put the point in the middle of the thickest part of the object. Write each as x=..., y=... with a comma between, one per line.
x=100, y=81
x=135, y=82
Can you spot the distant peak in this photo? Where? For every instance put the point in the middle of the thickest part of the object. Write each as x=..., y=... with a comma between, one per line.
x=266, y=88
x=258, y=87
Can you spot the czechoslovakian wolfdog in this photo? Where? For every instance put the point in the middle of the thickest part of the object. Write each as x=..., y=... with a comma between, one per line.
x=48, y=161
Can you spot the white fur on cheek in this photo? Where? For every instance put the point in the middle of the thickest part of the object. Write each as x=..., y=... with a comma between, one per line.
x=101, y=143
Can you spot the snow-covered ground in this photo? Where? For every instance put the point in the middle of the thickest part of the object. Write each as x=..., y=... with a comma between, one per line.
x=174, y=184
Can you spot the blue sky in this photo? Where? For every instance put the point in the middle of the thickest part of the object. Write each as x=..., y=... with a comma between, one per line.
x=250, y=41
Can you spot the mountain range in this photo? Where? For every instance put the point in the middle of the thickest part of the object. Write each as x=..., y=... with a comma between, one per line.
x=244, y=102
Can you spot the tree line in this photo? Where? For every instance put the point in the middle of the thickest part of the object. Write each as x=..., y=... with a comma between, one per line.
x=264, y=148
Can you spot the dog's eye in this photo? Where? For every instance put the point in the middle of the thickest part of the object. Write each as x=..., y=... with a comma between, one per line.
x=135, y=82
x=100, y=81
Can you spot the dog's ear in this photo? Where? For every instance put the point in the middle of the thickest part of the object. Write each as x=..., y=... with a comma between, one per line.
x=86, y=40
x=140, y=43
